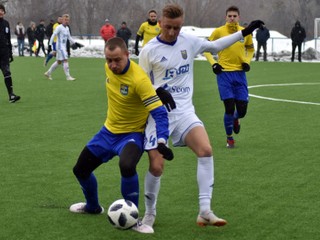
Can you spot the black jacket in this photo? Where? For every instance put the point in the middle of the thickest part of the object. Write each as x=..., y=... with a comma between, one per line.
x=40, y=32
x=298, y=34
x=262, y=35
x=31, y=35
x=5, y=36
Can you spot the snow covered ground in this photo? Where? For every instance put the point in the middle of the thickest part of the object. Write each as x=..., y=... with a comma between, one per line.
x=278, y=46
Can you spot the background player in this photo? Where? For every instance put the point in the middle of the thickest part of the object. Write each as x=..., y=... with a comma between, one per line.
x=233, y=63
x=63, y=34
x=147, y=30
x=53, y=53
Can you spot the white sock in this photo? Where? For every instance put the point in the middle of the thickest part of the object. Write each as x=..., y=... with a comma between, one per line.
x=66, y=68
x=53, y=67
x=151, y=191
x=205, y=178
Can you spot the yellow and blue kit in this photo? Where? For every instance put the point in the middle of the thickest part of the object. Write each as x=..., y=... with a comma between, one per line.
x=231, y=58
x=148, y=31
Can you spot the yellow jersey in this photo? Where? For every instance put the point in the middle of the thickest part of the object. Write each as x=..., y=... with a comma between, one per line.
x=148, y=31
x=232, y=57
x=131, y=97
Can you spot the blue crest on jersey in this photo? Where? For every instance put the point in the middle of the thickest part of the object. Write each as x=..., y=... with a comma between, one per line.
x=184, y=54
x=124, y=89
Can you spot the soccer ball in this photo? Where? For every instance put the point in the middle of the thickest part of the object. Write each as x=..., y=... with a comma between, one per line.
x=123, y=214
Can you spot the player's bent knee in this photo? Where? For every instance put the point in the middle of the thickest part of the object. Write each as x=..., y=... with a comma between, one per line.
x=86, y=164
x=129, y=159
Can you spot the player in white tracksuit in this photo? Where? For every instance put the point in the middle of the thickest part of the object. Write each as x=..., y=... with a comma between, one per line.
x=63, y=34
x=168, y=60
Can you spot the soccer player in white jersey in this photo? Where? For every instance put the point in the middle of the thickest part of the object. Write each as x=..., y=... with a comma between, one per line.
x=168, y=59
x=63, y=34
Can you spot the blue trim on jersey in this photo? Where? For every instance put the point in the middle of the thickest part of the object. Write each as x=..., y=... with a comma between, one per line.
x=159, y=114
x=233, y=85
x=126, y=68
x=105, y=145
x=167, y=43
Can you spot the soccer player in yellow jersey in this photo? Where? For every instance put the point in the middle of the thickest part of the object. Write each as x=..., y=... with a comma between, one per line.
x=131, y=97
x=230, y=69
x=148, y=30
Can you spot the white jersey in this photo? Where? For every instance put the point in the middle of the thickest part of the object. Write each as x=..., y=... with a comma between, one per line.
x=170, y=65
x=63, y=34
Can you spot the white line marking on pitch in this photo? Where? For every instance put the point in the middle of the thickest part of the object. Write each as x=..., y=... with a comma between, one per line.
x=282, y=100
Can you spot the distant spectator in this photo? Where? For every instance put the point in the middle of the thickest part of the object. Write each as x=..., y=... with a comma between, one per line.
x=20, y=32
x=124, y=32
x=107, y=31
x=298, y=34
x=31, y=36
x=49, y=31
x=262, y=37
x=40, y=35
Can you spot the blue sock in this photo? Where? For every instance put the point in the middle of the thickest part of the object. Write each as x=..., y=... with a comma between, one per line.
x=90, y=190
x=228, y=123
x=130, y=189
x=49, y=56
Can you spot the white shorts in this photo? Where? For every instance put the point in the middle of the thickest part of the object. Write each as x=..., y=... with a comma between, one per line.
x=179, y=127
x=62, y=54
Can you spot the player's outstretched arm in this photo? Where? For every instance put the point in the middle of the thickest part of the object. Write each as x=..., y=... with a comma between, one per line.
x=251, y=27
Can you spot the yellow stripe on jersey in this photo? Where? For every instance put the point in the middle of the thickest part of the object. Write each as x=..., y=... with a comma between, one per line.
x=131, y=97
x=54, y=28
x=148, y=31
x=231, y=58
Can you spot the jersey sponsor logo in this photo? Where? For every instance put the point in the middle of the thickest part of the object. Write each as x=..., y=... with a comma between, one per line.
x=124, y=89
x=177, y=89
x=173, y=72
x=184, y=54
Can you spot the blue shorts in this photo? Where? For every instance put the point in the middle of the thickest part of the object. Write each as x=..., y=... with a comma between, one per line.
x=105, y=145
x=233, y=85
x=54, y=46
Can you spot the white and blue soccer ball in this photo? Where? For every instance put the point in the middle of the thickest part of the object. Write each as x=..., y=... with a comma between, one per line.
x=123, y=214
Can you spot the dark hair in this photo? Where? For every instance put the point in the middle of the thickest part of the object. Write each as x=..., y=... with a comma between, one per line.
x=115, y=42
x=3, y=8
x=233, y=9
x=172, y=11
x=152, y=11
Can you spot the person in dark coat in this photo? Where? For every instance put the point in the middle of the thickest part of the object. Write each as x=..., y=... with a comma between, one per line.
x=124, y=32
x=49, y=31
x=40, y=35
x=262, y=37
x=298, y=34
